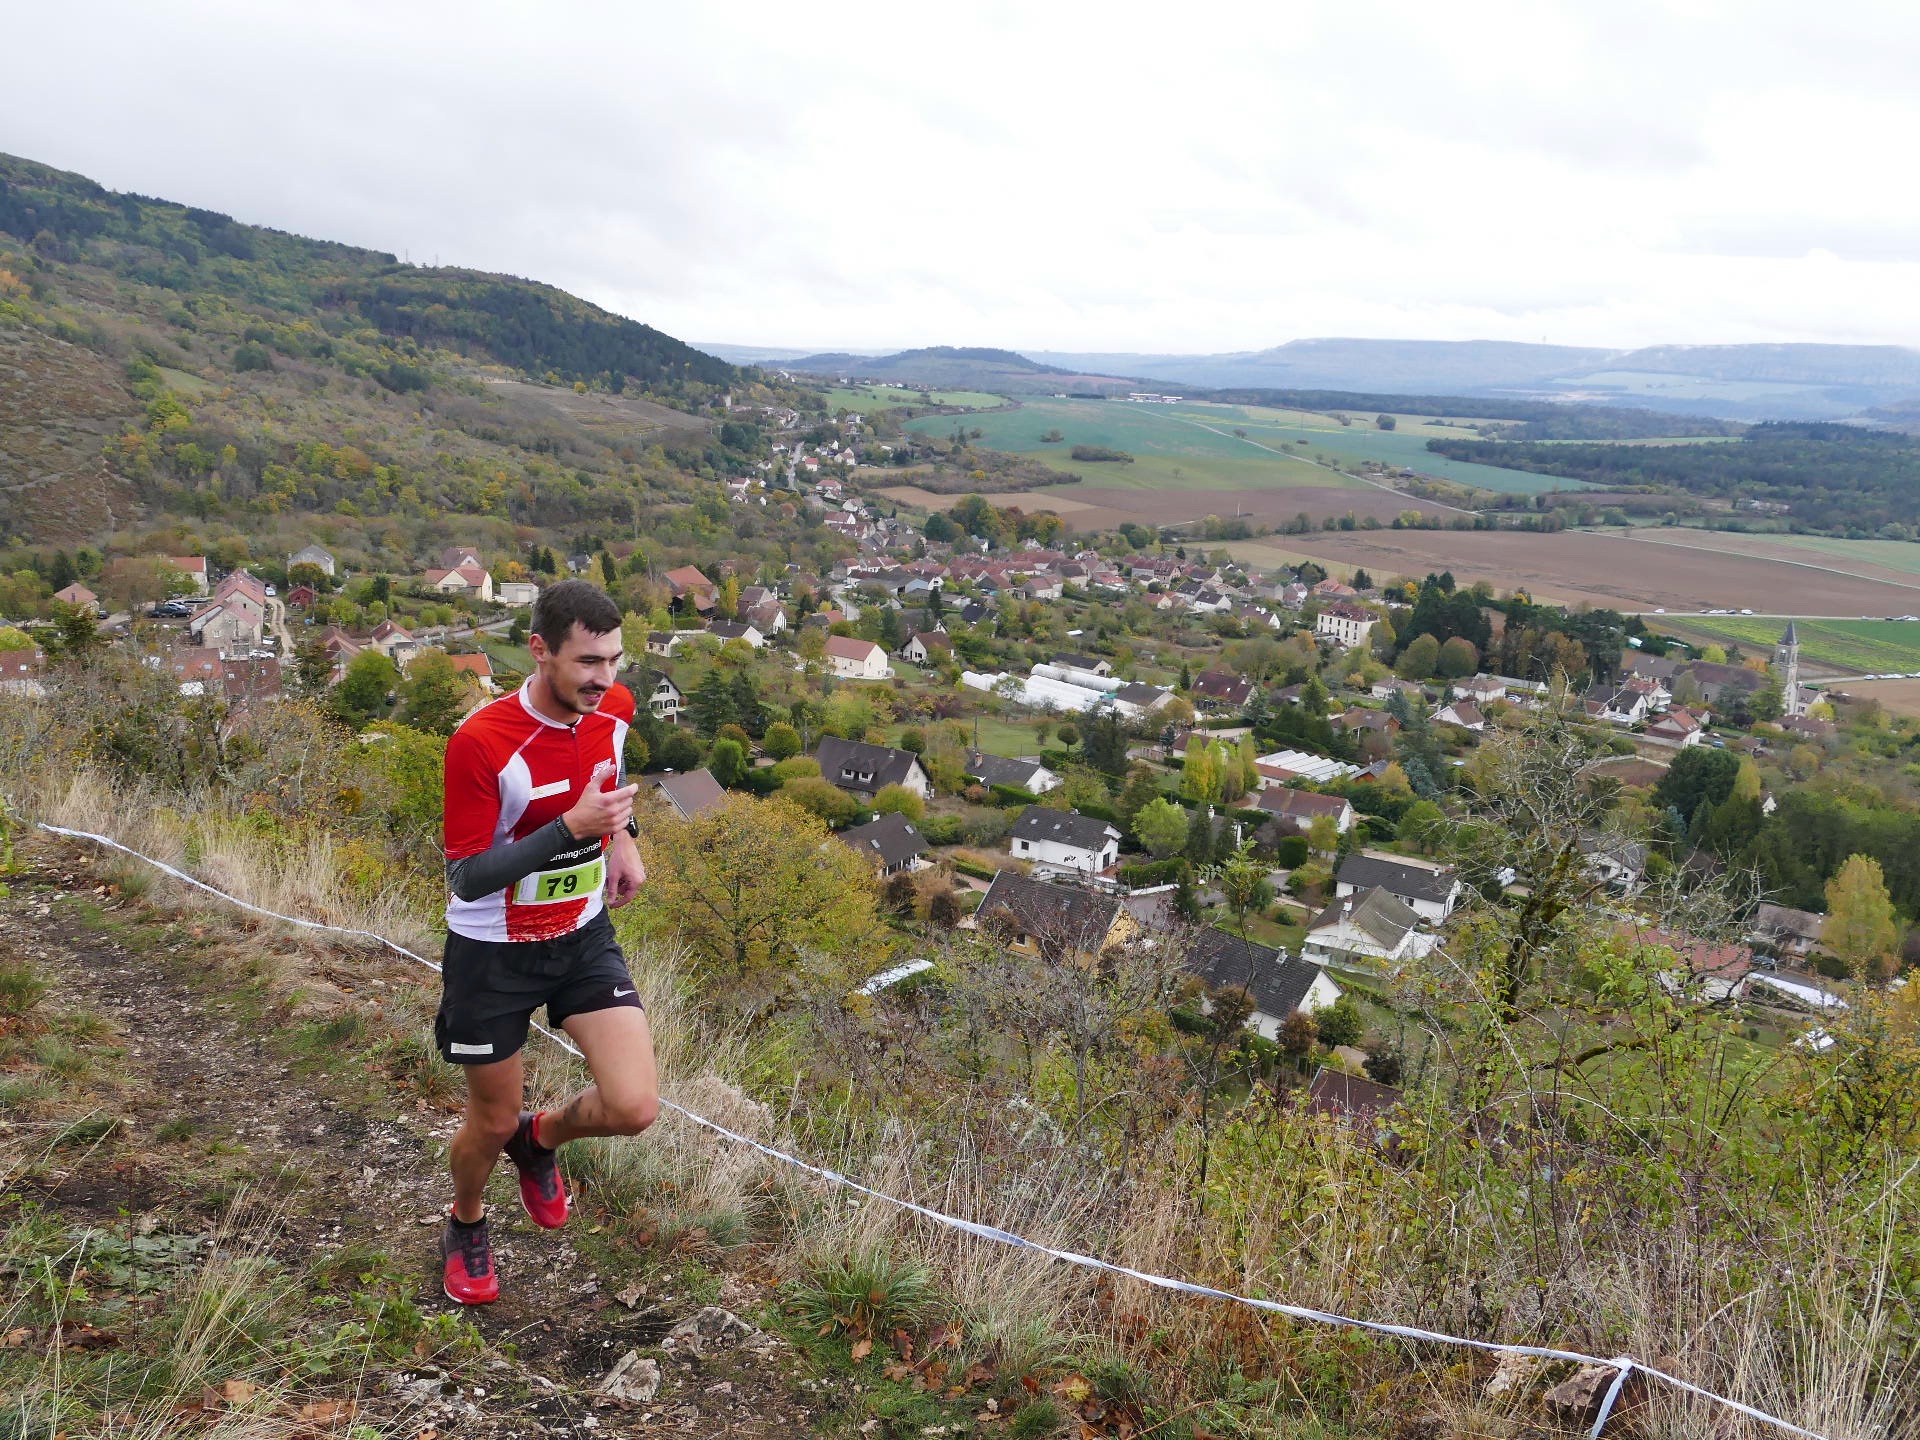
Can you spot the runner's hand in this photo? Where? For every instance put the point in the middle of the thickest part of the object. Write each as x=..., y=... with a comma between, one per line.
x=600, y=812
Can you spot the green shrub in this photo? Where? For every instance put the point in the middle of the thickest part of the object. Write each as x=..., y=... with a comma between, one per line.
x=973, y=868
x=867, y=1294
x=20, y=988
x=941, y=829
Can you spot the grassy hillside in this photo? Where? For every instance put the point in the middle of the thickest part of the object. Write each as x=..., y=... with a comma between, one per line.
x=173, y=372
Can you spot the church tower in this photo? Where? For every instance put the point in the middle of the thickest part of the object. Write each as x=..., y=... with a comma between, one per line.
x=1788, y=656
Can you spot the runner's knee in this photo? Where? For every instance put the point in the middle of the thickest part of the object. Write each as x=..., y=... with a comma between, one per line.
x=493, y=1125
x=631, y=1116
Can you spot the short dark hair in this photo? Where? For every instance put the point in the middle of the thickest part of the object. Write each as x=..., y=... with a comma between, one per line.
x=561, y=605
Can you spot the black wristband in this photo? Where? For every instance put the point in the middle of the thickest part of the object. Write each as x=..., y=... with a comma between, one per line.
x=633, y=827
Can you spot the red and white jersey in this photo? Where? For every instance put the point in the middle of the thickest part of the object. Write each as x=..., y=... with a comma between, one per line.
x=510, y=770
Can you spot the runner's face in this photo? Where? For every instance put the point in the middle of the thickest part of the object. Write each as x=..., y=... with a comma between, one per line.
x=581, y=672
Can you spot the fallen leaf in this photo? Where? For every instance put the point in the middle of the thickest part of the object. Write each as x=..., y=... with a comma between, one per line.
x=862, y=1349
x=428, y=1435
x=979, y=1373
x=238, y=1392
x=630, y=1297
x=14, y=1339
x=897, y=1371
x=326, y=1412
x=85, y=1337
x=1074, y=1388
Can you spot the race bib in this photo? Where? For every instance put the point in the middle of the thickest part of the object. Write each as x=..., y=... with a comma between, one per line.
x=550, y=887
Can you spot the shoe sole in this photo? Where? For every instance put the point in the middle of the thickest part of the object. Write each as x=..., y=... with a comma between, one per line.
x=458, y=1301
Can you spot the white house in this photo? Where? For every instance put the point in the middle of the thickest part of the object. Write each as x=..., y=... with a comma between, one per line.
x=516, y=592
x=467, y=578
x=725, y=630
x=1617, y=706
x=1279, y=985
x=1348, y=626
x=864, y=770
x=1064, y=840
x=1028, y=775
x=926, y=646
x=1679, y=728
x=1300, y=808
x=1430, y=892
x=853, y=659
x=1614, y=861
x=194, y=567
x=1480, y=689
x=655, y=690
x=1463, y=713
x=1372, y=928
x=312, y=555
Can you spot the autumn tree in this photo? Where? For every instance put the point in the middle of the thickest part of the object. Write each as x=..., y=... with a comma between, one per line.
x=1200, y=780
x=727, y=762
x=362, y=692
x=899, y=800
x=1161, y=826
x=1861, y=930
x=1458, y=658
x=755, y=889
x=782, y=741
x=1419, y=660
x=435, y=695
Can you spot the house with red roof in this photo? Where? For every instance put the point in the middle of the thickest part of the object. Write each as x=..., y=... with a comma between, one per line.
x=854, y=659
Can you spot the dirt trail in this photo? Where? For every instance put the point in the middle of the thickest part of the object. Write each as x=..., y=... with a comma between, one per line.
x=352, y=1170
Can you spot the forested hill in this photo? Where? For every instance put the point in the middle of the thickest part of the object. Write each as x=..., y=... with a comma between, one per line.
x=536, y=328
x=1837, y=478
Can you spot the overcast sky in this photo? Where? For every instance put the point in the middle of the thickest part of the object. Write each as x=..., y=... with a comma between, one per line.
x=1059, y=176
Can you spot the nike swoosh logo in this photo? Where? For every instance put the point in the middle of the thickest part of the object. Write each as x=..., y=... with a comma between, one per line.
x=621, y=994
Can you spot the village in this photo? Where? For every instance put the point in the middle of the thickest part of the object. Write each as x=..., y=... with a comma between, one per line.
x=1059, y=745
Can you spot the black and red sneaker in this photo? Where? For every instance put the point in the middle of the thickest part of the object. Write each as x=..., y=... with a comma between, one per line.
x=541, y=1190
x=469, y=1276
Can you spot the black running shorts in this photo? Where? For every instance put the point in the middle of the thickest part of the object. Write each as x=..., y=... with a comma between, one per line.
x=489, y=989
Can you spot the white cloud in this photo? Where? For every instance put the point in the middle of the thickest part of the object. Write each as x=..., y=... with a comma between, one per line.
x=1068, y=176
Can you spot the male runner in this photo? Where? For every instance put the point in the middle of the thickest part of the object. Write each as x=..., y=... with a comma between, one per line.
x=538, y=828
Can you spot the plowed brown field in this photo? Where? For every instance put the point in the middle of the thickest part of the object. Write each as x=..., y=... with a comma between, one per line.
x=1575, y=566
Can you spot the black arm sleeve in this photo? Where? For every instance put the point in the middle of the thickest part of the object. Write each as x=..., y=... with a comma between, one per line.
x=473, y=877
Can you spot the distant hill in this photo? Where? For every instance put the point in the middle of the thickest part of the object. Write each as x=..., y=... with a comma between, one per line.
x=1741, y=382
x=764, y=354
x=521, y=323
x=957, y=367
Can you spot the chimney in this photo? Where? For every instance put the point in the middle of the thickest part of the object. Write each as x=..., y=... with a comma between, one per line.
x=1346, y=908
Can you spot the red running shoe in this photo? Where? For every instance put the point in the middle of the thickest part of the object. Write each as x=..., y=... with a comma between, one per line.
x=541, y=1190
x=469, y=1277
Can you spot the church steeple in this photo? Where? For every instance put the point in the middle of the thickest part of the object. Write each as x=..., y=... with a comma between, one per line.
x=1788, y=653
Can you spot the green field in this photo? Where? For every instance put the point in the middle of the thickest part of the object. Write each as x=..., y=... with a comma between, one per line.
x=1168, y=455
x=879, y=397
x=1404, y=445
x=1194, y=447
x=1899, y=555
x=1868, y=646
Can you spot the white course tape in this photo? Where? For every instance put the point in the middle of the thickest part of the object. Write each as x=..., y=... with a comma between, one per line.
x=1620, y=1364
